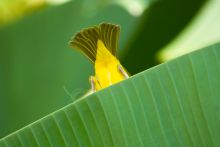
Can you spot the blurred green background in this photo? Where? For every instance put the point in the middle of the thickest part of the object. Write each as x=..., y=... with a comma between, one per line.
x=39, y=73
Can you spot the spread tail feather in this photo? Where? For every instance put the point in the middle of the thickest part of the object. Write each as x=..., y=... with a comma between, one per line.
x=86, y=40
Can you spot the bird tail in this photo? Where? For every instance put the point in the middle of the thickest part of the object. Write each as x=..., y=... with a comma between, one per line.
x=86, y=40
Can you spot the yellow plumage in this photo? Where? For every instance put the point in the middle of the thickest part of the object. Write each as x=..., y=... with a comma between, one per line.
x=99, y=44
x=106, y=67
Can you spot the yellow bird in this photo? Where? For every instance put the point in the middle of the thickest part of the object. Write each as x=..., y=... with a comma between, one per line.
x=99, y=44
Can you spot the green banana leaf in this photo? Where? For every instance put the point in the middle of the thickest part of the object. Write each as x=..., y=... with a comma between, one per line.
x=173, y=104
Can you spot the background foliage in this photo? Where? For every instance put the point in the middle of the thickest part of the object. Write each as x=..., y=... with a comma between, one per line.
x=39, y=73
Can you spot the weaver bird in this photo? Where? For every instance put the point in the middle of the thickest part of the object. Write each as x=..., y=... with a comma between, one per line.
x=99, y=44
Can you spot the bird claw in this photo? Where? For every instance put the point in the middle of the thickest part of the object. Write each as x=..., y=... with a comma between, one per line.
x=122, y=71
x=92, y=83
